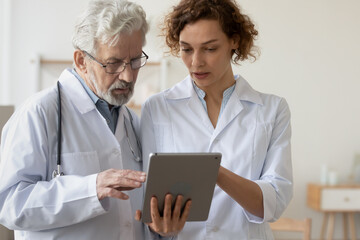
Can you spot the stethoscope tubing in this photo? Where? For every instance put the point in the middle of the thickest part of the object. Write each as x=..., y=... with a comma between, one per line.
x=59, y=136
x=57, y=172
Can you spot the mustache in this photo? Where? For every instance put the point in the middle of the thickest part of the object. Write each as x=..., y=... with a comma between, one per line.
x=122, y=84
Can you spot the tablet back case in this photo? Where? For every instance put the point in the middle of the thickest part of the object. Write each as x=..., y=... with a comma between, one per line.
x=192, y=175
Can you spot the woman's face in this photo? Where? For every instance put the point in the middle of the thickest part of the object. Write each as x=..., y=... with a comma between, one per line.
x=206, y=51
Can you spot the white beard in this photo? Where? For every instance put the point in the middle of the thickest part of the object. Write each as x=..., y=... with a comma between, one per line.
x=116, y=100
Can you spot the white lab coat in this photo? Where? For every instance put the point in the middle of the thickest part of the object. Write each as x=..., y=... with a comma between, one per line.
x=39, y=207
x=253, y=135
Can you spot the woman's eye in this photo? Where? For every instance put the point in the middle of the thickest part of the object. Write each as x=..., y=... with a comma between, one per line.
x=186, y=49
x=211, y=49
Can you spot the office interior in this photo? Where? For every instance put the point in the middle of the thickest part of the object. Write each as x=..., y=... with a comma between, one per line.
x=310, y=55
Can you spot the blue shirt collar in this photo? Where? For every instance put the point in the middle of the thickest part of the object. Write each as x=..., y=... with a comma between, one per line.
x=91, y=94
x=226, y=96
x=111, y=116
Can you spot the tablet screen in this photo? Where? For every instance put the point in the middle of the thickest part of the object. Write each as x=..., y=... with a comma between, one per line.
x=192, y=175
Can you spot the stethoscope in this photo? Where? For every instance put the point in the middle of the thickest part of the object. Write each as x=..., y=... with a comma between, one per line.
x=57, y=172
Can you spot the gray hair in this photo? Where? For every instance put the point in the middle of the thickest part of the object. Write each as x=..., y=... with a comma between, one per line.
x=104, y=20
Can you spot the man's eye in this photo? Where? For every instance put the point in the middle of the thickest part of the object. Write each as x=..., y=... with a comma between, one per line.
x=115, y=63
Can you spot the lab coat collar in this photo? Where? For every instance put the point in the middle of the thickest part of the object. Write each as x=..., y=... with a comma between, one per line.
x=123, y=116
x=81, y=100
x=243, y=90
x=78, y=95
x=183, y=89
x=76, y=92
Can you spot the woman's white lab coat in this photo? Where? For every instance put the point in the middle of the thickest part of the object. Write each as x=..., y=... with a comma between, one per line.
x=39, y=207
x=253, y=135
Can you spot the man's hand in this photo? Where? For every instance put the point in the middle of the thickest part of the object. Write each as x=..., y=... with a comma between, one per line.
x=172, y=222
x=112, y=182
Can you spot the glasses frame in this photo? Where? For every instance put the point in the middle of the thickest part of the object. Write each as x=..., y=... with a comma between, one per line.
x=124, y=64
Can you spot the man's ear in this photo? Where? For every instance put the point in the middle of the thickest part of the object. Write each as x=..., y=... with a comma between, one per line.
x=79, y=60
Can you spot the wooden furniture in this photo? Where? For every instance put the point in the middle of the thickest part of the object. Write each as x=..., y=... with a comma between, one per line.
x=343, y=199
x=293, y=225
x=5, y=114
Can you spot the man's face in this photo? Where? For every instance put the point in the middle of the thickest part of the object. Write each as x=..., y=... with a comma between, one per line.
x=117, y=88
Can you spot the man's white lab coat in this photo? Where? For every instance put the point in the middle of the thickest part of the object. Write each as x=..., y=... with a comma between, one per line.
x=39, y=207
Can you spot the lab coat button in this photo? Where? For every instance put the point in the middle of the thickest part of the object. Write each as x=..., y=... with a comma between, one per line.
x=128, y=224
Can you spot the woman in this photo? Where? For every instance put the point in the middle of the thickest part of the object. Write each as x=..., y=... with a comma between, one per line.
x=212, y=110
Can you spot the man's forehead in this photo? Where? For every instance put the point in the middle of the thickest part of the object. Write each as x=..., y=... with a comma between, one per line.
x=125, y=45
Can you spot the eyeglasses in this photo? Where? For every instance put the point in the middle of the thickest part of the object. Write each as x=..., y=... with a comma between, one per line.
x=118, y=67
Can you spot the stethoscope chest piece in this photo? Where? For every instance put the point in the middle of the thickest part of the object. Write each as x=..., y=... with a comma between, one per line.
x=57, y=173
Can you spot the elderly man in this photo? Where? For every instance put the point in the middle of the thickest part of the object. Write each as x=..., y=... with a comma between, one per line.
x=71, y=161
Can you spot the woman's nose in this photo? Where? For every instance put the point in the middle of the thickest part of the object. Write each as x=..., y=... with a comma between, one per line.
x=197, y=59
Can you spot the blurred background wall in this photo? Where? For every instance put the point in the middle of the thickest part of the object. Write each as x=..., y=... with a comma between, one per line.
x=309, y=55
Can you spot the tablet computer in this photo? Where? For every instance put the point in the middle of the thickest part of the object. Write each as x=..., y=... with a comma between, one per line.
x=192, y=175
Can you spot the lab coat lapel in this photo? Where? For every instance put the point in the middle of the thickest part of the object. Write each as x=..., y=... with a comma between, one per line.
x=185, y=90
x=120, y=131
x=76, y=92
x=231, y=111
x=243, y=92
x=81, y=100
x=198, y=110
x=130, y=147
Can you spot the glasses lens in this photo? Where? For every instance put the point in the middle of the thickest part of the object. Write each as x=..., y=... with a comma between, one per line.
x=115, y=67
x=120, y=66
x=138, y=62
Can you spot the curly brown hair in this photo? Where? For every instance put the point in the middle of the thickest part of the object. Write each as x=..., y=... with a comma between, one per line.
x=232, y=21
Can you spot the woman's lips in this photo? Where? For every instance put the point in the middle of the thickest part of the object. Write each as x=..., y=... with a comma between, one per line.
x=200, y=75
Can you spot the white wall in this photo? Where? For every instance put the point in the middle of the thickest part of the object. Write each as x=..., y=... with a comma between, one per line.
x=310, y=56
x=5, y=14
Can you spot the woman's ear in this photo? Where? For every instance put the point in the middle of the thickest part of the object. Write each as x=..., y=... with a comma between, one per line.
x=79, y=60
x=234, y=42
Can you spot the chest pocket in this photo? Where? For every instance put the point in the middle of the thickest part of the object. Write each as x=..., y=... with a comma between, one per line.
x=80, y=163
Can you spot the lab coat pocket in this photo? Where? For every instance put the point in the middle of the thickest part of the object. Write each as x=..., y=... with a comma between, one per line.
x=163, y=137
x=80, y=163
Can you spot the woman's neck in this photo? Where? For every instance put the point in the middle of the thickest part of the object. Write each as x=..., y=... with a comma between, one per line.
x=214, y=96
